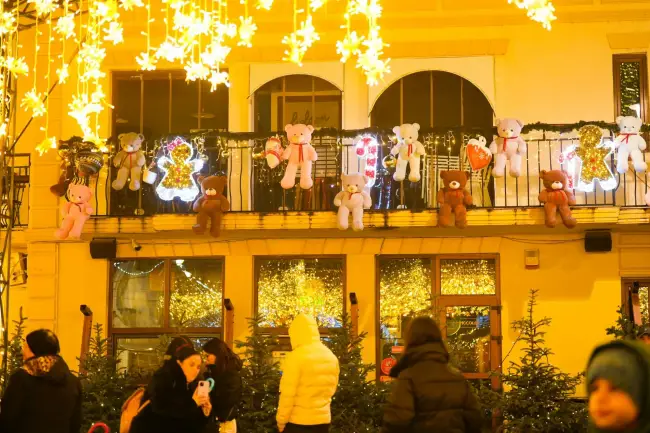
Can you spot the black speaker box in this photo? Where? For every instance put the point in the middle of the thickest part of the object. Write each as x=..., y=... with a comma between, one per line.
x=598, y=241
x=103, y=248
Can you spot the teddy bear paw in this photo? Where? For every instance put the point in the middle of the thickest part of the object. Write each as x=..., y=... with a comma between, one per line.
x=641, y=167
x=198, y=229
x=59, y=234
x=117, y=185
x=414, y=177
x=134, y=186
x=357, y=226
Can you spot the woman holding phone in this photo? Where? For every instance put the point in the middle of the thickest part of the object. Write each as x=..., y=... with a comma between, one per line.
x=173, y=401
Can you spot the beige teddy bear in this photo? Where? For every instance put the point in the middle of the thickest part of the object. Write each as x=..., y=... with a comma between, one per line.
x=408, y=151
x=129, y=161
x=353, y=199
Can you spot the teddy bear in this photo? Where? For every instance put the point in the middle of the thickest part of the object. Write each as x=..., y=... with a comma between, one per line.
x=299, y=153
x=273, y=152
x=508, y=146
x=453, y=198
x=556, y=198
x=408, y=151
x=129, y=160
x=630, y=144
x=353, y=199
x=75, y=212
x=210, y=204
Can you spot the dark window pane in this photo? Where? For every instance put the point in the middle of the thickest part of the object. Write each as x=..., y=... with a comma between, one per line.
x=630, y=78
x=156, y=108
x=299, y=83
x=138, y=293
x=214, y=107
x=196, y=293
x=385, y=113
x=126, y=100
x=185, y=106
x=327, y=111
x=321, y=85
x=446, y=99
x=476, y=107
x=417, y=99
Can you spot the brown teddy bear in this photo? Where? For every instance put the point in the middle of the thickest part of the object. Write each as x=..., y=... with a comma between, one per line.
x=210, y=204
x=129, y=161
x=557, y=197
x=453, y=198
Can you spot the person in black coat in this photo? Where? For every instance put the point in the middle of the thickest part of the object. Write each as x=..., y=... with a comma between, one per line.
x=428, y=395
x=224, y=367
x=43, y=396
x=171, y=403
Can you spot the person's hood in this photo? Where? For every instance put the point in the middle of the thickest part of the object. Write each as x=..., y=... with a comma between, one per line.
x=52, y=368
x=643, y=352
x=426, y=352
x=303, y=331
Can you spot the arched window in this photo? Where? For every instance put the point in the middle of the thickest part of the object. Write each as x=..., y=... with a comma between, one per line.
x=298, y=99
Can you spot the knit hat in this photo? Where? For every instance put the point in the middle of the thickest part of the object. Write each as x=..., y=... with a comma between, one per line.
x=43, y=342
x=623, y=369
x=180, y=348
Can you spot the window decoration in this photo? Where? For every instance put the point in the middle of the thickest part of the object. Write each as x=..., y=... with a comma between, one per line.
x=468, y=277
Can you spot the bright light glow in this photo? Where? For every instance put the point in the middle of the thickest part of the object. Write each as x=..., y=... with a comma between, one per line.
x=127, y=5
x=16, y=66
x=45, y=145
x=541, y=11
x=366, y=149
x=300, y=41
x=264, y=4
x=178, y=169
x=65, y=26
x=247, y=29
x=7, y=23
x=33, y=101
x=576, y=172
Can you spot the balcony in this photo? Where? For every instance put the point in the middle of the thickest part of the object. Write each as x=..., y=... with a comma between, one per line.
x=254, y=189
x=20, y=166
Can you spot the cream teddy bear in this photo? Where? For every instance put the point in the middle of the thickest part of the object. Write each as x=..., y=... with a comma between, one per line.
x=129, y=161
x=408, y=151
x=630, y=144
x=299, y=153
x=353, y=199
x=508, y=146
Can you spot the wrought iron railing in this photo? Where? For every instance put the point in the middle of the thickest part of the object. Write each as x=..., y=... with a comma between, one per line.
x=19, y=190
x=254, y=187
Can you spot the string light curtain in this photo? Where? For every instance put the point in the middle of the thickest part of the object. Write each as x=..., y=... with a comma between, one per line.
x=468, y=277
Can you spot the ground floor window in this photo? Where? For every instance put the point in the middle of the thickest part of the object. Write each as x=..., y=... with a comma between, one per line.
x=460, y=292
x=635, y=301
x=153, y=300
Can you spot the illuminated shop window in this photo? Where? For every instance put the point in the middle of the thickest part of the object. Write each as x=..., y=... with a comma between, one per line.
x=631, y=85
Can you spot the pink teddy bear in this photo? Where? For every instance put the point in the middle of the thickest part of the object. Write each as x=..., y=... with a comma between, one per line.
x=301, y=153
x=75, y=212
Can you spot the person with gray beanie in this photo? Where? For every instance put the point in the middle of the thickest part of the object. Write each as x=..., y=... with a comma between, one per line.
x=618, y=380
x=43, y=395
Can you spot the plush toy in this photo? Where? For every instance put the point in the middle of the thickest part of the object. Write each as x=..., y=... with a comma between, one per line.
x=75, y=212
x=210, y=204
x=557, y=198
x=453, y=198
x=408, y=151
x=299, y=153
x=273, y=152
x=353, y=199
x=630, y=144
x=508, y=146
x=129, y=160
x=478, y=155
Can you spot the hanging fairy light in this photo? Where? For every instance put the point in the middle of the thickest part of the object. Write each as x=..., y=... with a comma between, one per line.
x=541, y=11
x=49, y=142
x=247, y=27
x=145, y=60
x=33, y=99
x=302, y=37
x=264, y=4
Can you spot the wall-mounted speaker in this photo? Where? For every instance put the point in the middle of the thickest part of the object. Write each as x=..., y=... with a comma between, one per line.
x=598, y=241
x=103, y=248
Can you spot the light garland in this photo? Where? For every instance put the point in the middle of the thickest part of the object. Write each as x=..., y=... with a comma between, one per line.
x=590, y=161
x=366, y=149
x=302, y=37
x=247, y=27
x=467, y=277
x=541, y=11
x=118, y=266
x=179, y=169
x=193, y=302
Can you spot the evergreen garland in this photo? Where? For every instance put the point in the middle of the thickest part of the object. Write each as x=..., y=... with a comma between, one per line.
x=624, y=328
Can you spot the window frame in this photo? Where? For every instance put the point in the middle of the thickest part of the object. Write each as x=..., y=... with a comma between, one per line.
x=439, y=302
x=630, y=300
x=283, y=331
x=165, y=329
x=642, y=59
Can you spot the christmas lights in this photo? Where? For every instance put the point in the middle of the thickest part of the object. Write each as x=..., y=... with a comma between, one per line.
x=366, y=149
x=541, y=11
x=467, y=277
x=590, y=161
x=179, y=169
x=404, y=289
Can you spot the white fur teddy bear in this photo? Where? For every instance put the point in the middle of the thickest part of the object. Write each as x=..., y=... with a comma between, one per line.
x=353, y=199
x=408, y=151
x=630, y=144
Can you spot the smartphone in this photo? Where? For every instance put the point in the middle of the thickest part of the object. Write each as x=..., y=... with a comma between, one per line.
x=204, y=388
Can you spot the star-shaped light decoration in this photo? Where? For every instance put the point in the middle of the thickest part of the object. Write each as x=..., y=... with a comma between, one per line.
x=127, y=5
x=247, y=29
x=541, y=11
x=33, y=101
x=349, y=46
x=44, y=7
x=62, y=73
x=7, y=23
x=146, y=62
x=264, y=4
x=218, y=77
x=45, y=145
x=196, y=71
x=114, y=33
x=316, y=4
x=16, y=66
x=65, y=26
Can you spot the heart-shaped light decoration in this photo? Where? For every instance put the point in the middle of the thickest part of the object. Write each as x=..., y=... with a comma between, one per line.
x=478, y=154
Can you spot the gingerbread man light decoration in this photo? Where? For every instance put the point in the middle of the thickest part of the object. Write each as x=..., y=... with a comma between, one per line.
x=179, y=168
x=594, y=158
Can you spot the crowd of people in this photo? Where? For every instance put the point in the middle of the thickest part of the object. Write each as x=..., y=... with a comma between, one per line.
x=428, y=394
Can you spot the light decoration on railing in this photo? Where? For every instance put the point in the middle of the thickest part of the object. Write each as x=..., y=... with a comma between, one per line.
x=366, y=149
x=179, y=162
x=541, y=11
x=368, y=49
x=590, y=161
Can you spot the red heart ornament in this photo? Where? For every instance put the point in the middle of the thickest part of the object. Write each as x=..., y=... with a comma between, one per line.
x=479, y=156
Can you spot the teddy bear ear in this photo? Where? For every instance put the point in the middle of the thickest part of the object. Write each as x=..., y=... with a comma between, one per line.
x=443, y=175
x=497, y=121
x=520, y=123
x=542, y=173
x=141, y=137
x=288, y=127
x=311, y=128
x=200, y=178
x=619, y=120
x=119, y=137
x=396, y=130
x=416, y=126
x=468, y=175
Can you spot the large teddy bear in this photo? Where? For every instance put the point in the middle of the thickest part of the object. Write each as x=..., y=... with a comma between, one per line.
x=508, y=146
x=353, y=199
x=75, y=212
x=408, y=151
x=210, y=204
x=299, y=153
x=630, y=144
x=557, y=197
x=129, y=160
x=453, y=198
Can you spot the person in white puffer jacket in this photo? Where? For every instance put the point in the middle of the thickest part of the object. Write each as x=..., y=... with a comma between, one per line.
x=310, y=376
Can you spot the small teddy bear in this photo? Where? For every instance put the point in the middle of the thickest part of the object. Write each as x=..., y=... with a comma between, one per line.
x=129, y=160
x=557, y=197
x=508, y=146
x=453, y=198
x=75, y=212
x=630, y=144
x=210, y=204
x=408, y=151
x=299, y=153
x=273, y=152
x=353, y=199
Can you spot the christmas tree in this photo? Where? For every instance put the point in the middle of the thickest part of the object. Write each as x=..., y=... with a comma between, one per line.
x=106, y=386
x=357, y=404
x=539, y=396
x=261, y=381
x=14, y=351
x=624, y=328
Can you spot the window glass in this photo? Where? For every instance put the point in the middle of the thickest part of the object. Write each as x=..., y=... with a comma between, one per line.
x=630, y=88
x=468, y=277
x=468, y=338
x=196, y=293
x=138, y=293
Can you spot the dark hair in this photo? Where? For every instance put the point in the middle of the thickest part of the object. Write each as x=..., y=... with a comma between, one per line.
x=227, y=360
x=180, y=348
x=422, y=330
x=43, y=342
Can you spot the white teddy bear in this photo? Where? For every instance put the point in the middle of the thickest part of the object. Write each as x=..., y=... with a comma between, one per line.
x=408, y=151
x=630, y=144
x=353, y=199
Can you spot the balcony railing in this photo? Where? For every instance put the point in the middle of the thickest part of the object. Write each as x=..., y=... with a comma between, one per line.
x=20, y=171
x=254, y=187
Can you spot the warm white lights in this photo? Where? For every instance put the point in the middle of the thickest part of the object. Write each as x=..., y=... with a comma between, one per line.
x=541, y=11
